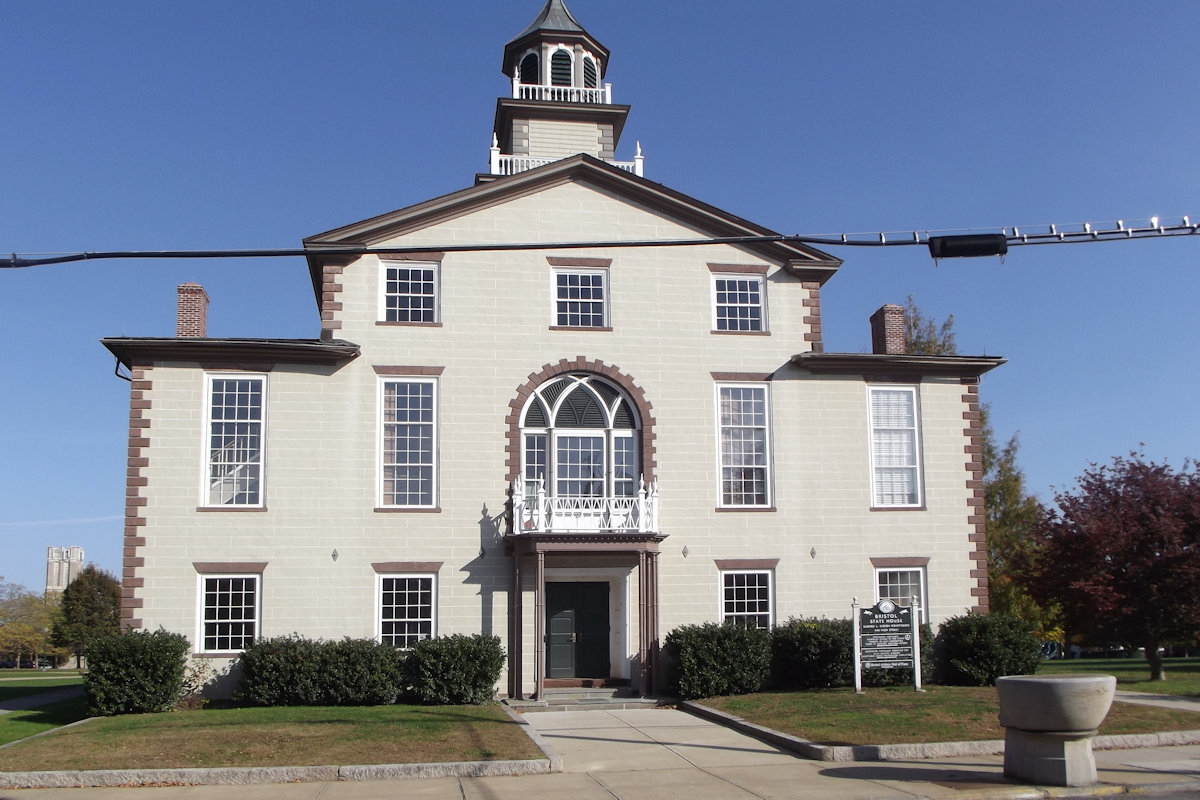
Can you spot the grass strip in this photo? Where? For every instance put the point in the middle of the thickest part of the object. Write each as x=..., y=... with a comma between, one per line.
x=294, y=736
x=902, y=716
x=1133, y=674
x=20, y=724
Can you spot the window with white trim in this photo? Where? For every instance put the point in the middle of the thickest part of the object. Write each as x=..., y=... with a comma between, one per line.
x=408, y=442
x=229, y=612
x=581, y=438
x=237, y=406
x=743, y=437
x=895, y=447
x=407, y=609
x=409, y=291
x=746, y=597
x=739, y=303
x=580, y=298
x=901, y=586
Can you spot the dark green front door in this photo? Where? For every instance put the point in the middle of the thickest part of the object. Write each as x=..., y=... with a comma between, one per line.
x=577, y=630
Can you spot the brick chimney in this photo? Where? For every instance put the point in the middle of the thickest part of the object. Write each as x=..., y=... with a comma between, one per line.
x=191, y=319
x=887, y=331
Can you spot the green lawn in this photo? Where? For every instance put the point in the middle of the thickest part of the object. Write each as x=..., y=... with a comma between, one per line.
x=20, y=724
x=900, y=715
x=296, y=736
x=1133, y=674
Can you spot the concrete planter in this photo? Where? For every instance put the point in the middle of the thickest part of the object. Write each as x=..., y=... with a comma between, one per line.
x=1049, y=723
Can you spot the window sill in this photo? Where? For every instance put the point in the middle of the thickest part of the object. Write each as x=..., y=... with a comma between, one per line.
x=237, y=509
x=899, y=508
x=724, y=509
x=408, y=510
x=740, y=333
x=229, y=654
x=398, y=324
x=602, y=328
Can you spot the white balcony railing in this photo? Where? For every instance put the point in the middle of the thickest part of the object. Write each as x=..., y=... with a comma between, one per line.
x=539, y=512
x=505, y=164
x=562, y=94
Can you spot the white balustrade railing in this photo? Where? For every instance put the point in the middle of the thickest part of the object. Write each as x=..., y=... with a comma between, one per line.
x=562, y=94
x=505, y=164
x=538, y=512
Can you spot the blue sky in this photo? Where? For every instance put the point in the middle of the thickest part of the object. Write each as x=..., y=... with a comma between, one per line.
x=142, y=126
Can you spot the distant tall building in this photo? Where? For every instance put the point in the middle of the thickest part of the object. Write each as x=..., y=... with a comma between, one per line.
x=62, y=565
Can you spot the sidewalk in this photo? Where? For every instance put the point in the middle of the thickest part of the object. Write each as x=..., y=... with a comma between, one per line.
x=653, y=754
x=40, y=699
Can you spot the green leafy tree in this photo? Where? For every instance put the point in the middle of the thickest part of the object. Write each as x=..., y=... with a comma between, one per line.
x=923, y=336
x=1121, y=555
x=1011, y=512
x=26, y=619
x=91, y=608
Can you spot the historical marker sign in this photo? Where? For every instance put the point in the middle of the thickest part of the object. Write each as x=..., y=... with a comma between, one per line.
x=885, y=637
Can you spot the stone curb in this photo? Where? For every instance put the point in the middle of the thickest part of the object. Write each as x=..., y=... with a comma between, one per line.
x=907, y=752
x=820, y=752
x=229, y=776
x=554, y=760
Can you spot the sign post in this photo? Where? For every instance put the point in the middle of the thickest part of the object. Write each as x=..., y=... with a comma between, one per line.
x=887, y=636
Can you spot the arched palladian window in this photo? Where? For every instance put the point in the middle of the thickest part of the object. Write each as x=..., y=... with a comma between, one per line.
x=530, y=73
x=589, y=73
x=560, y=68
x=581, y=437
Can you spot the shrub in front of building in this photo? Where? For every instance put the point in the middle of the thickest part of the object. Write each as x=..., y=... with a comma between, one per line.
x=136, y=672
x=812, y=654
x=710, y=660
x=976, y=649
x=295, y=671
x=454, y=670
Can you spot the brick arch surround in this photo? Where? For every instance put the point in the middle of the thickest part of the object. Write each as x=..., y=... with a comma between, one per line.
x=512, y=457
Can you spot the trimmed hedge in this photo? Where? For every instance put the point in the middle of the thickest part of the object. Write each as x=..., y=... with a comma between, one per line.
x=975, y=649
x=454, y=670
x=294, y=671
x=136, y=672
x=812, y=654
x=710, y=659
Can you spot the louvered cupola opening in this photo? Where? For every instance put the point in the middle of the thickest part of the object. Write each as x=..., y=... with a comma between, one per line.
x=560, y=68
x=530, y=70
x=589, y=74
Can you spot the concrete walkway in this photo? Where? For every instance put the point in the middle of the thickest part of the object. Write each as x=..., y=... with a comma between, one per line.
x=40, y=699
x=655, y=754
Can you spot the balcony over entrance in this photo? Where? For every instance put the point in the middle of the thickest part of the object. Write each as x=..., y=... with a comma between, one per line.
x=537, y=511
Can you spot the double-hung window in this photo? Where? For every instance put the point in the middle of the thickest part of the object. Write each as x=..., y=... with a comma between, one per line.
x=895, y=447
x=743, y=437
x=229, y=614
x=407, y=609
x=580, y=298
x=746, y=597
x=901, y=586
x=408, y=442
x=739, y=303
x=409, y=292
x=236, y=433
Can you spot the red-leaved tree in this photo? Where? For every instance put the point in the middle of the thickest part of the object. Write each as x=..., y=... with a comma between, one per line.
x=1121, y=555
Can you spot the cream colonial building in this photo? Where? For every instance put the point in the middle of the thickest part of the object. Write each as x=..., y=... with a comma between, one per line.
x=657, y=438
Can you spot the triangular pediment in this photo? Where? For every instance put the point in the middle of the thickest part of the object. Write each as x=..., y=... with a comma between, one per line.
x=708, y=221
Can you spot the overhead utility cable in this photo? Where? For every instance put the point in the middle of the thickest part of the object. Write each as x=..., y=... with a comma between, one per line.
x=949, y=245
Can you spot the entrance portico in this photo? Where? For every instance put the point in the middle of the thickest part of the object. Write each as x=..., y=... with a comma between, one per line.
x=582, y=591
